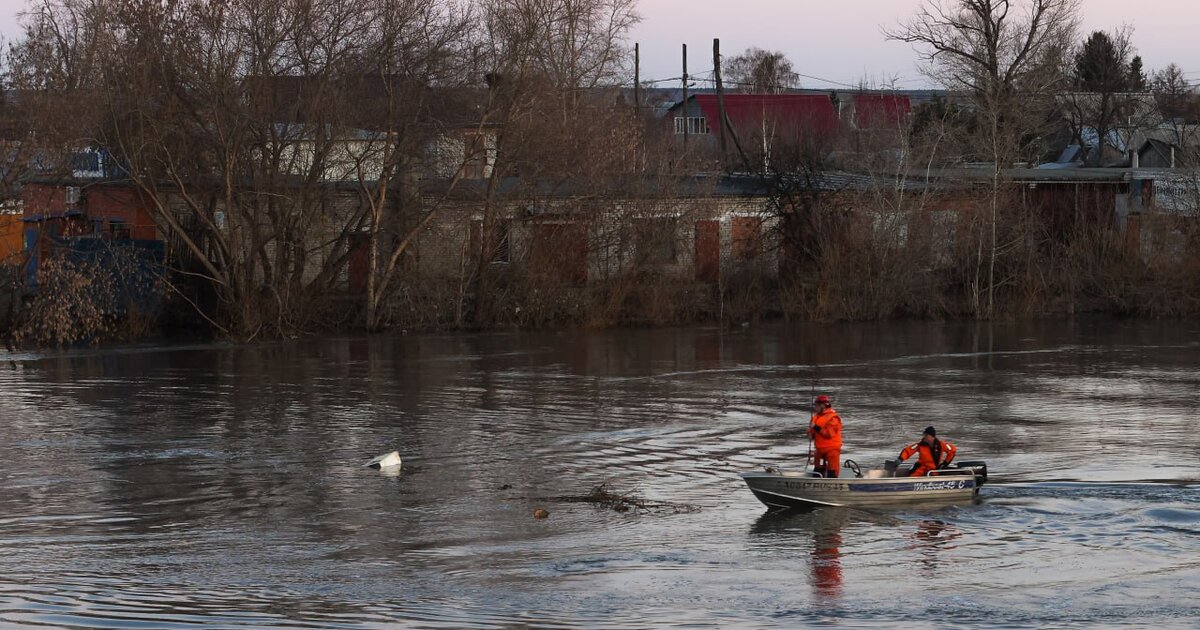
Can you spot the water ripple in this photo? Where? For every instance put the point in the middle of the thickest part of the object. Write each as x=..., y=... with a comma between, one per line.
x=216, y=485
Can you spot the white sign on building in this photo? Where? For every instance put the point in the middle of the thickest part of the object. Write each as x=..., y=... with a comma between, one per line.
x=1177, y=194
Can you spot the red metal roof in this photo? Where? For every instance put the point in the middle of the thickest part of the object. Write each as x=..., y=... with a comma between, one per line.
x=880, y=110
x=784, y=114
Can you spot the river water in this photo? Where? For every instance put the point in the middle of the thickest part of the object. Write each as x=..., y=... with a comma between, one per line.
x=176, y=486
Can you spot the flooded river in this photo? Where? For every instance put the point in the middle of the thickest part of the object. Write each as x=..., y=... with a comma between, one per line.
x=159, y=487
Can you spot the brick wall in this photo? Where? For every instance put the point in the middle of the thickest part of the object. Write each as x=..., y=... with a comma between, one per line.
x=116, y=210
x=42, y=199
x=124, y=211
x=689, y=238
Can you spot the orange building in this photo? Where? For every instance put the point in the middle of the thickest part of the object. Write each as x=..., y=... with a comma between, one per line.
x=11, y=242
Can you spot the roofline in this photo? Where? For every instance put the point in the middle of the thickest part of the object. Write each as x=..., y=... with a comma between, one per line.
x=1038, y=176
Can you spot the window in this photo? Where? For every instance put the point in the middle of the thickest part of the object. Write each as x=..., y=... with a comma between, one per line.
x=696, y=125
x=118, y=230
x=87, y=164
x=500, y=240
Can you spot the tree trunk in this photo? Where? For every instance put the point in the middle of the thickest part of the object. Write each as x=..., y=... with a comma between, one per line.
x=991, y=300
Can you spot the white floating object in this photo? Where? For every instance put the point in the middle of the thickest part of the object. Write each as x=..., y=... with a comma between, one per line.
x=388, y=460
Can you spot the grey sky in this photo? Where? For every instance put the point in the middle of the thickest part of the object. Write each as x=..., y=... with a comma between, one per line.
x=840, y=40
x=8, y=17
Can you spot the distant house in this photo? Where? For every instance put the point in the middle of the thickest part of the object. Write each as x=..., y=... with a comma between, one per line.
x=1155, y=153
x=765, y=125
x=1128, y=115
x=85, y=218
x=690, y=119
x=355, y=144
x=468, y=150
x=757, y=115
x=360, y=155
x=1172, y=145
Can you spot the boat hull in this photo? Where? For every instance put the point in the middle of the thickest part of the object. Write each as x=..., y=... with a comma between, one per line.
x=784, y=490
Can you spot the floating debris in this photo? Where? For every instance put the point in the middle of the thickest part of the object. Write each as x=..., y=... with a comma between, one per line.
x=604, y=498
x=539, y=513
x=387, y=460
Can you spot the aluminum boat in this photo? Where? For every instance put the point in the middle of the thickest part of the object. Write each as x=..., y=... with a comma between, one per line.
x=888, y=485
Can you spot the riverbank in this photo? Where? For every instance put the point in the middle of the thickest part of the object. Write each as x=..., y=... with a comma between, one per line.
x=85, y=310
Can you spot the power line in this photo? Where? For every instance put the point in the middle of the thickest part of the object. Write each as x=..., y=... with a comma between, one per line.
x=830, y=81
x=706, y=77
x=883, y=88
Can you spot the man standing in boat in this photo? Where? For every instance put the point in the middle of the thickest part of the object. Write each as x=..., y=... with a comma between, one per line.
x=932, y=453
x=825, y=431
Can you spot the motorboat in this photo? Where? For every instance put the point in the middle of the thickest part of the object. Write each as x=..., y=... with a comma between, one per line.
x=888, y=485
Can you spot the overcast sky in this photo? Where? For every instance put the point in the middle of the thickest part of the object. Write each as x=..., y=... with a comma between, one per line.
x=840, y=40
x=8, y=17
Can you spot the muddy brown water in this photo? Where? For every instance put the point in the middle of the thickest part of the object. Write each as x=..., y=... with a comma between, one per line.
x=179, y=486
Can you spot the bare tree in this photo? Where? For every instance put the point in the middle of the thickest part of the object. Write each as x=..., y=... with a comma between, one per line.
x=59, y=57
x=1179, y=106
x=758, y=71
x=551, y=65
x=1176, y=97
x=575, y=45
x=1008, y=55
x=281, y=142
x=240, y=122
x=418, y=57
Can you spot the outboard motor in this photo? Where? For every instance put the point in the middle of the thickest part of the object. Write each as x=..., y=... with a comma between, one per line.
x=978, y=468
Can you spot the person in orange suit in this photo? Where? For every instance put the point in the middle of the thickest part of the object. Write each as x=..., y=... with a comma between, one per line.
x=932, y=453
x=825, y=431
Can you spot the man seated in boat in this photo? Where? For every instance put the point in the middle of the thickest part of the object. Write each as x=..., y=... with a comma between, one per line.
x=825, y=431
x=932, y=453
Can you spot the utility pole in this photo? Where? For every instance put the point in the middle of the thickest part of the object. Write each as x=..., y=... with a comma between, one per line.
x=637, y=105
x=637, y=80
x=720, y=97
x=685, y=98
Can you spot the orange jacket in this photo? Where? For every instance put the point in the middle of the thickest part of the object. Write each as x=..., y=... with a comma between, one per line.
x=929, y=457
x=826, y=430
